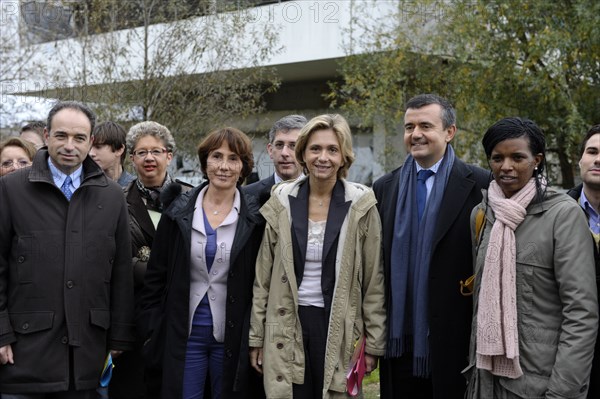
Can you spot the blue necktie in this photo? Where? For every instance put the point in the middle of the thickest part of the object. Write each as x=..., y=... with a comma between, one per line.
x=422, y=176
x=66, y=188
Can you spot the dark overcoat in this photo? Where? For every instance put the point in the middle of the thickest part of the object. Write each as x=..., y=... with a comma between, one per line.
x=168, y=276
x=450, y=312
x=65, y=278
x=594, y=391
x=261, y=189
x=130, y=380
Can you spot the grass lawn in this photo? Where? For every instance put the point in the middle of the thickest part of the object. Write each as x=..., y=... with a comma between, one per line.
x=371, y=385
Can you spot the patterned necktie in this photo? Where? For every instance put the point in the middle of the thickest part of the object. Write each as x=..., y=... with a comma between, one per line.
x=422, y=176
x=66, y=188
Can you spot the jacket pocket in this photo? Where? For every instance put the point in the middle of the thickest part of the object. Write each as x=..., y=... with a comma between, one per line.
x=100, y=318
x=527, y=386
x=31, y=322
x=470, y=374
x=154, y=346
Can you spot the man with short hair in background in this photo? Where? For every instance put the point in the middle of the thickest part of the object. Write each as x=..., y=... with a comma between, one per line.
x=33, y=132
x=66, y=296
x=588, y=196
x=281, y=146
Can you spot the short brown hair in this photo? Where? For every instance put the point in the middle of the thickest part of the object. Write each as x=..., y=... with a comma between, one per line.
x=238, y=142
x=594, y=130
x=35, y=126
x=339, y=126
x=111, y=134
x=19, y=142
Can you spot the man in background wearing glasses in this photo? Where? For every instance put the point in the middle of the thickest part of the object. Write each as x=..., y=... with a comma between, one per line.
x=65, y=272
x=282, y=142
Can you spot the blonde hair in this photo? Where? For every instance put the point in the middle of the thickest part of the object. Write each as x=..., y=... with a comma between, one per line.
x=339, y=126
x=19, y=142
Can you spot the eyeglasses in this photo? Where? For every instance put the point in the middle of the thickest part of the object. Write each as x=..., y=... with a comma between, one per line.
x=279, y=146
x=141, y=154
x=21, y=163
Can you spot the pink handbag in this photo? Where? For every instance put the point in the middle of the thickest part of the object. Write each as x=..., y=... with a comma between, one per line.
x=356, y=371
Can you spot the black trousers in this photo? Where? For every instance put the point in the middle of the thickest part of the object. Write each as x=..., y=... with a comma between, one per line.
x=397, y=380
x=70, y=394
x=314, y=323
x=87, y=394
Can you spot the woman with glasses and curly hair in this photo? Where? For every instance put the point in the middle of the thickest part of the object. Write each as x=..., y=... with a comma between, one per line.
x=151, y=148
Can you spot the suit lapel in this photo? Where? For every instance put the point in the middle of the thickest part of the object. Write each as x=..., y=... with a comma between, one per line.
x=338, y=208
x=270, y=182
x=299, y=213
x=389, y=208
x=140, y=212
x=457, y=191
x=245, y=226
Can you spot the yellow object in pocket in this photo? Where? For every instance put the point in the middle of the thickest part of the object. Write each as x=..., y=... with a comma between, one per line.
x=466, y=287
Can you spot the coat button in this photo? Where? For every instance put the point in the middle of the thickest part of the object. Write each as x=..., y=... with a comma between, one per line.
x=231, y=274
x=111, y=261
x=21, y=259
x=279, y=378
x=212, y=297
x=231, y=324
x=70, y=284
x=231, y=299
x=25, y=326
x=284, y=279
x=64, y=340
x=228, y=353
x=219, y=260
x=282, y=312
x=279, y=345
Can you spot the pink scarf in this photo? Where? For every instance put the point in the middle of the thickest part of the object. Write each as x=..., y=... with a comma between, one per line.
x=497, y=333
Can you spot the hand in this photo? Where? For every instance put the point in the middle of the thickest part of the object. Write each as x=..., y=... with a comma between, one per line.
x=256, y=359
x=115, y=354
x=6, y=355
x=370, y=363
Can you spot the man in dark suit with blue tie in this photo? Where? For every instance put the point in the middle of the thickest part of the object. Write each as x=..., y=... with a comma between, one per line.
x=282, y=142
x=425, y=206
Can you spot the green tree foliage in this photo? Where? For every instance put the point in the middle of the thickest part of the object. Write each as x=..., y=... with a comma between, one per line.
x=534, y=59
x=168, y=39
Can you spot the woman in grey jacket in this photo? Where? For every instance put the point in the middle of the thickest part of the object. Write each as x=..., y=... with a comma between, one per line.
x=535, y=305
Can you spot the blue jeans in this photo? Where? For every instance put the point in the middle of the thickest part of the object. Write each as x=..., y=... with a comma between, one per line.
x=204, y=356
